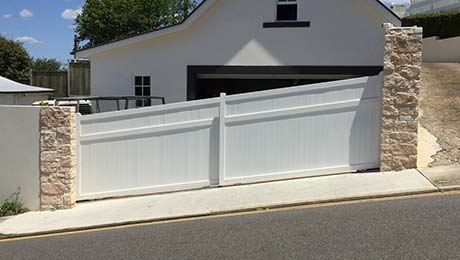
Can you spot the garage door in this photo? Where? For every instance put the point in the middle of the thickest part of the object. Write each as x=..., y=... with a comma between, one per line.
x=209, y=81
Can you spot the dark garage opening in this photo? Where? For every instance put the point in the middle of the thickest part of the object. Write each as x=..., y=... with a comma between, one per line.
x=209, y=81
x=208, y=88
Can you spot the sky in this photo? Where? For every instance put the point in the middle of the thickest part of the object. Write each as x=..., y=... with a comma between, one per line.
x=46, y=27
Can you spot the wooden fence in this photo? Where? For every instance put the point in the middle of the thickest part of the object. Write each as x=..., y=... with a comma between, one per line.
x=56, y=80
x=80, y=79
x=74, y=82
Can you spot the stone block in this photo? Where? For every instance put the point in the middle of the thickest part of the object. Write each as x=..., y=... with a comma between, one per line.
x=406, y=118
x=48, y=169
x=55, y=188
x=406, y=126
x=48, y=156
x=404, y=137
x=49, y=202
x=389, y=110
x=408, y=111
x=406, y=98
x=404, y=149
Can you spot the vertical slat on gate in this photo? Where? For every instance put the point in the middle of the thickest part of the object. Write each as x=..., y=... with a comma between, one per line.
x=222, y=137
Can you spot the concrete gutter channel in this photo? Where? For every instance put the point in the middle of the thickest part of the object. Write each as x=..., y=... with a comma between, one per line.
x=202, y=203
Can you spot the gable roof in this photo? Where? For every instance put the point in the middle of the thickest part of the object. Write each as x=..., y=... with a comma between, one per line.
x=9, y=86
x=187, y=22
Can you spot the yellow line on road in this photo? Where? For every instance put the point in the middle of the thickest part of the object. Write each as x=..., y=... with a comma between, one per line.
x=232, y=214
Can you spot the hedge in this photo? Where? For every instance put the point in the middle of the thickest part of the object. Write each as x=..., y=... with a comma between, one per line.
x=442, y=24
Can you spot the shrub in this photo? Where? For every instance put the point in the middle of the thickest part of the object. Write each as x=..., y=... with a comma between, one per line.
x=12, y=206
x=442, y=24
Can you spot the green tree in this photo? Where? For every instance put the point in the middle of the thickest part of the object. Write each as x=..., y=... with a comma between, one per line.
x=14, y=59
x=44, y=64
x=102, y=21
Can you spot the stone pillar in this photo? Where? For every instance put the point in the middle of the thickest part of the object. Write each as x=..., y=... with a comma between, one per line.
x=57, y=158
x=402, y=69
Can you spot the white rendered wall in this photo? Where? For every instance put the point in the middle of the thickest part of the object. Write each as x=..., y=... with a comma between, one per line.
x=7, y=99
x=441, y=50
x=19, y=154
x=29, y=99
x=21, y=98
x=342, y=32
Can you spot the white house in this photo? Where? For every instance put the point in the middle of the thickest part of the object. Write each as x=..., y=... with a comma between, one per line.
x=237, y=46
x=13, y=93
x=432, y=6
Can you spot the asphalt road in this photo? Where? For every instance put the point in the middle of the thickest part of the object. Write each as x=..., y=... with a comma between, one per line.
x=422, y=228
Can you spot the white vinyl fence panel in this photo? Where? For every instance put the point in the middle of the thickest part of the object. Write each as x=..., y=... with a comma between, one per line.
x=147, y=150
x=303, y=131
x=292, y=132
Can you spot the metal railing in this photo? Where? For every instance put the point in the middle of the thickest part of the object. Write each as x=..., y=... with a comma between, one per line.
x=116, y=99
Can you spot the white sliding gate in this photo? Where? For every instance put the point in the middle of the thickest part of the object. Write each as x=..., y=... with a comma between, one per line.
x=291, y=132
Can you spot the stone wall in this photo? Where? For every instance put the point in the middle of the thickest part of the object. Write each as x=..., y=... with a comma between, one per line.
x=402, y=69
x=57, y=158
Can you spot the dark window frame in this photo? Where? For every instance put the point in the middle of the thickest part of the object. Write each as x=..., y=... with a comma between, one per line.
x=142, y=88
x=282, y=11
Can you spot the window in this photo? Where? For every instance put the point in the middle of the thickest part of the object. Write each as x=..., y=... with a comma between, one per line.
x=286, y=10
x=142, y=89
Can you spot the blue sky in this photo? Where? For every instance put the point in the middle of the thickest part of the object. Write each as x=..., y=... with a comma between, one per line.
x=46, y=26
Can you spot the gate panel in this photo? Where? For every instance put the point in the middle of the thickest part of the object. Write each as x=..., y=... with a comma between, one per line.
x=148, y=150
x=293, y=132
x=324, y=128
